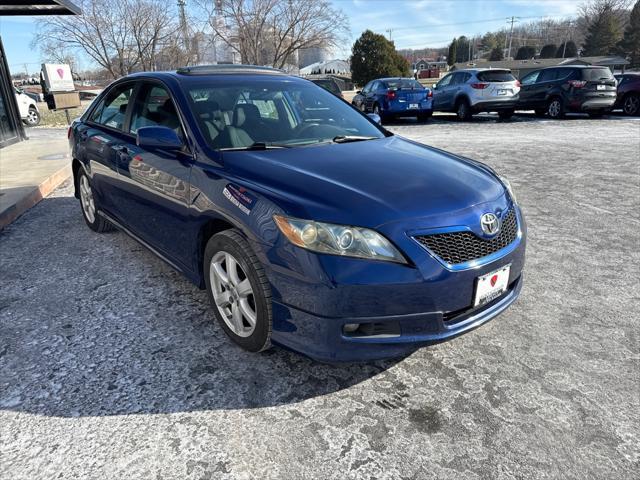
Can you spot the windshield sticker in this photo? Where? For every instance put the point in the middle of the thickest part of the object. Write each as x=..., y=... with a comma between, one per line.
x=240, y=197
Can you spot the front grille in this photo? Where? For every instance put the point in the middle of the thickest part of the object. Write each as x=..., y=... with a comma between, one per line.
x=462, y=247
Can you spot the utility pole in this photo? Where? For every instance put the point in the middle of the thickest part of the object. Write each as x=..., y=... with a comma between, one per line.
x=512, y=21
x=389, y=30
x=183, y=23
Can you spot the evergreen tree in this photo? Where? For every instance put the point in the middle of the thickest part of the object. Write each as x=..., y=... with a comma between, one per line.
x=496, y=54
x=548, y=51
x=453, y=52
x=630, y=44
x=526, y=52
x=462, y=49
x=373, y=56
x=603, y=33
x=568, y=51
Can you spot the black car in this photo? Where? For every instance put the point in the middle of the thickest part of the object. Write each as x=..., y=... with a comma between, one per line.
x=328, y=84
x=555, y=91
x=628, y=93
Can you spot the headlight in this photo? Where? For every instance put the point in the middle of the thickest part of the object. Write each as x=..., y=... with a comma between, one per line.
x=338, y=239
x=507, y=185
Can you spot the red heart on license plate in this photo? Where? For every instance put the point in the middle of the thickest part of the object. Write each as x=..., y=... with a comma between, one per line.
x=493, y=280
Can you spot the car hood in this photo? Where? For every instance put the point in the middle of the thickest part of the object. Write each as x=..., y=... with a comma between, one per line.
x=365, y=183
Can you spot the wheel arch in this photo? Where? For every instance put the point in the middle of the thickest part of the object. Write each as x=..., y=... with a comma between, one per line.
x=208, y=229
x=75, y=168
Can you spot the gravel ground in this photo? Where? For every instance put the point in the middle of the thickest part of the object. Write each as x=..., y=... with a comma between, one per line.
x=111, y=366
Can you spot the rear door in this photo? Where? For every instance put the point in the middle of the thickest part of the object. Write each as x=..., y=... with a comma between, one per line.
x=99, y=141
x=155, y=182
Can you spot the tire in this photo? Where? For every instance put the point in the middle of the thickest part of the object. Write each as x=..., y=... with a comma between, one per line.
x=377, y=111
x=33, y=118
x=555, y=108
x=423, y=117
x=505, y=114
x=243, y=310
x=631, y=104
x=463, y=110
x=89, y=206
x=540, y=112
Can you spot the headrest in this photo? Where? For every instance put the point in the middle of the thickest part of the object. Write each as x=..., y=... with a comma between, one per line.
x=245, y=113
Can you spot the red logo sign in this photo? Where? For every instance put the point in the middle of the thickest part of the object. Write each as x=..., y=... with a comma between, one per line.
x=493, y=280
x=60, y=72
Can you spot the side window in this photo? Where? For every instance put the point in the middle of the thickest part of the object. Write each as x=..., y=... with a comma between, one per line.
x=267, y=109
x=112, y=110
x=375, y=87
x=547, y=75
x=154, y=107
x=531, y=78
x=445, y=81
x=566, y=73
x=367, y=87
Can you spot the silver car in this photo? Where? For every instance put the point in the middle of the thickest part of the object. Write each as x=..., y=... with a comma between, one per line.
x=476, y=90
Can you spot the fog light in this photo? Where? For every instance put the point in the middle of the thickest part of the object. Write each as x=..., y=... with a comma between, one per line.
x=350, y=327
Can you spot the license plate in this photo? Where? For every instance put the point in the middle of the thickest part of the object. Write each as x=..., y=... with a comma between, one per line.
x=503, y=92
x=491, y=285
x=413, y=105
x=600, y=87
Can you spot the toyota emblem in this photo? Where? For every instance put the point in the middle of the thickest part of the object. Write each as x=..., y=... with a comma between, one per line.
x=490, y=224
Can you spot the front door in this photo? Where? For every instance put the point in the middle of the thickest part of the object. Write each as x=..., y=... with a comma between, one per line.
x=155, y=181
x=442, y=94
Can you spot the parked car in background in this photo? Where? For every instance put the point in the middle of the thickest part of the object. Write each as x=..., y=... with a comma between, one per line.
x=554, y=91
x=475, y=90
x=328, y=84
x=395, y=97
x=29, y=112
x=309, y=225
x=628, y=93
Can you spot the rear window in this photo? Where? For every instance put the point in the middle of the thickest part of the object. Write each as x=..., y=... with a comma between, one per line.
x=490, y=76
x=404, y=83
x=591, y=74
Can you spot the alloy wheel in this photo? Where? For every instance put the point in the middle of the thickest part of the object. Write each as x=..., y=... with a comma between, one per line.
x=233, y=294
x=86, y=199
x=32, y=117
x=555, y=107
x=632, y=105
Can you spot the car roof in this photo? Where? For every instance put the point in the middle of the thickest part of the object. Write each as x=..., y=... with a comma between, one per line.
x=386, y=79
x=210, y=70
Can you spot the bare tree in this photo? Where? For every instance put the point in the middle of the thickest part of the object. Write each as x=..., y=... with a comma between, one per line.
x=270, y=32
x=121, y=36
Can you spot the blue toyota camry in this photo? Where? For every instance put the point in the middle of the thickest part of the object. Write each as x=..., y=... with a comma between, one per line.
x=310, y=225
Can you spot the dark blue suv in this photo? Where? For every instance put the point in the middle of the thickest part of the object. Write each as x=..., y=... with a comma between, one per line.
x=310, y=225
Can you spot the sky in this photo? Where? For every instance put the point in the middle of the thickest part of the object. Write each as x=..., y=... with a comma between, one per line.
x=413, y=23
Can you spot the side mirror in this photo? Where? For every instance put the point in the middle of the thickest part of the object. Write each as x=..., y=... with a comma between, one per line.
x=358, y=91
x=375, y=117
x=158, y=137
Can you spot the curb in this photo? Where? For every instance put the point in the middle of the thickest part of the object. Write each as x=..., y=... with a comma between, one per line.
x=34, y=197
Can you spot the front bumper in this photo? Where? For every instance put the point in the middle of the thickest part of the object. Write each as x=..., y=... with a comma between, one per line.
x=404, y=306
x=323, y=338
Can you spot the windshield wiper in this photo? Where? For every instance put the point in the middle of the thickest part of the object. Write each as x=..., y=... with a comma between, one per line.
x=352, y=138
x=257, y=146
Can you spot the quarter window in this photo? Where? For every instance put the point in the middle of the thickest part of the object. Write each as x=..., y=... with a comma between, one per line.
x=548, y=75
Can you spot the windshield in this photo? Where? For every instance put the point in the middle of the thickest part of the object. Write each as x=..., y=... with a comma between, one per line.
x=496, y=76
x=281, y=113
x=403, y=83
x=596, y=74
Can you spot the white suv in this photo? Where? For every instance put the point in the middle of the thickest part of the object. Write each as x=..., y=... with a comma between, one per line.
x=473, y=90
x=28, y=109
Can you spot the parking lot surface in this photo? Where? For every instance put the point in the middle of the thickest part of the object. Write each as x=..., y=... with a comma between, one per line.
x=111, y=365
